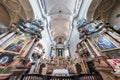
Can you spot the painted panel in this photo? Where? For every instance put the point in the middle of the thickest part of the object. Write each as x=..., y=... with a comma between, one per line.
x=115, y=63
x=6, y=58
x=104, y=44
x=16, y=46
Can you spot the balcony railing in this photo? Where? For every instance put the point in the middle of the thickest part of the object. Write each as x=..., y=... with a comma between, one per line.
x=72, y=77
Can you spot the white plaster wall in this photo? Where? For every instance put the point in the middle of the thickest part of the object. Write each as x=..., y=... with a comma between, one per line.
x=74, y=40
x=45, y=41
x=36, y=9
x=84, y=9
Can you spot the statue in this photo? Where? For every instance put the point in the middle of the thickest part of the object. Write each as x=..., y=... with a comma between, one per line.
x=3, y=29
x=36, y=56
x=86, y=28
x=33, y=28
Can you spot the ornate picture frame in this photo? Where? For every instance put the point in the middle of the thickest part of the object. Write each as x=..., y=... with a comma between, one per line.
x=6, y=58
x=16, y=46
x=104, y=44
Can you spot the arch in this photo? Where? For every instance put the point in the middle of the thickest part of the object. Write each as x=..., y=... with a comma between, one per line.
x=4, y=15
x=93, y=6
x=98, y=10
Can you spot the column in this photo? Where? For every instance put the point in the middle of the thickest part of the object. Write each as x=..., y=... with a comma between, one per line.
x=93, y=47
x=69, y=51
x=51, y=51
x=91, y=53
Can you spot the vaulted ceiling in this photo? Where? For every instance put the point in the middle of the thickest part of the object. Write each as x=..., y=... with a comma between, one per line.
x=12, y=10
x=60, y=15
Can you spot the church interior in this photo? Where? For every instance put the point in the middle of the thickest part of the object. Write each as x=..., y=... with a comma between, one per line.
x=59, y=39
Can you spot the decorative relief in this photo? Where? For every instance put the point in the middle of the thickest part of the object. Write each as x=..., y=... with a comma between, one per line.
x=98, y=8
x=13, y=10
x=107, y=6
x=4, y=15
x=92, y=8
x=13, y=5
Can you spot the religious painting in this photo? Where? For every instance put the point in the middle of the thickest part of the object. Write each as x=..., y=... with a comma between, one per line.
x=16, y=46
x=6, y=58
x=104, y=44
x=115, y=63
